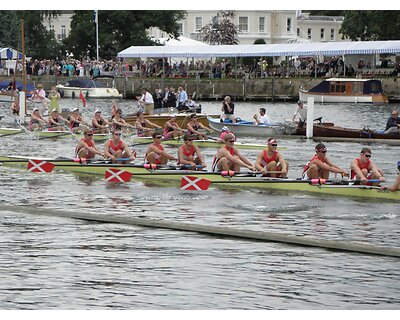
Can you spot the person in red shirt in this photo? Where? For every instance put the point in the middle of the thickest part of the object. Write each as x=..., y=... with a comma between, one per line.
x=115, y=149
x=86, y=147
x=362, y=168
x=155, y=153
x=189, y=154
x=229, y=158
x=320, y=166
x=271, y=160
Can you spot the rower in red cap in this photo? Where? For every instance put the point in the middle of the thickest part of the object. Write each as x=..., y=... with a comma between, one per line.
x=270, y=162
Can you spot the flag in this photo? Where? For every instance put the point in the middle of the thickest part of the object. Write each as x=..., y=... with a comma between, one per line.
x=40, y=166
x=115, y=175
x=95, y=16
x=194, y=183
x=298, y=14
x=83, y=99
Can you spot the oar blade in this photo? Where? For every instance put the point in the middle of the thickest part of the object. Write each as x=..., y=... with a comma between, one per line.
x=40, y=166
x=194, y=183
x=115, y=175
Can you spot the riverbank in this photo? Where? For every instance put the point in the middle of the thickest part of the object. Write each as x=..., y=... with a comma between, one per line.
x=268, y=89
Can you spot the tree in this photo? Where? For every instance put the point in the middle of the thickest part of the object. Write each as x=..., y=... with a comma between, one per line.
x=371, y=25
x=221, y=30
x=117, y=30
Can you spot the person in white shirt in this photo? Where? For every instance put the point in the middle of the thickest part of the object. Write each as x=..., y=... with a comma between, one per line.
x=301, y=110
x=182, y=97
x=148, y=102
x=263, y=120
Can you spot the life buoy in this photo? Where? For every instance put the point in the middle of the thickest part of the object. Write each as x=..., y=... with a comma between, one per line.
x=73, y=94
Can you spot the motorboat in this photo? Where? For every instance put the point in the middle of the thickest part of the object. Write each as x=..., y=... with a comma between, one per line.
x=346, y=90
x=8, y=95
x=90, y=89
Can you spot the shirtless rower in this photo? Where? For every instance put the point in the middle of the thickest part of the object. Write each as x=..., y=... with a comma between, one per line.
x=362, y=168
x=86, y=147
x=320, y=166
x=155, y=153
x=271, y=160
x=229, y=158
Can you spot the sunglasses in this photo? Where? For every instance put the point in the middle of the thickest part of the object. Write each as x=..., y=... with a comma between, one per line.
x=117, y=134
x=231, y=141
x=273, y=145
x=394, y=114
x=368, y=155
x=89, y=134
x=159, y=137
x=189, y=139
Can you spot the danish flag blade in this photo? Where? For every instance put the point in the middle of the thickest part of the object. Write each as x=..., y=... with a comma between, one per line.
x=83, y=99
x=115, y=175
x=194, y=183
x=40, y=166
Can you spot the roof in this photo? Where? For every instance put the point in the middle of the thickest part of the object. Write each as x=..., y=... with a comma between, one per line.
x=9, y=53
x=348, y=79
x=84, y=83
x=257, y=50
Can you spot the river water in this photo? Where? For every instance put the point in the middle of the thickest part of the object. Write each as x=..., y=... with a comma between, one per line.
x=50, y=262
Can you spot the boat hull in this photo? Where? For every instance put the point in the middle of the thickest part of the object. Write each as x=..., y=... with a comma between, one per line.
x=343, y=98
x=218, y=180
x=9, y=131
x=74, y=92
x=182, y=119
x=248, y=129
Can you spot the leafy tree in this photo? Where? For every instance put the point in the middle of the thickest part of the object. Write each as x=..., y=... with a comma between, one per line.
x=10, y=32
x=221, y=30
x=371, y=25
x=117, y=30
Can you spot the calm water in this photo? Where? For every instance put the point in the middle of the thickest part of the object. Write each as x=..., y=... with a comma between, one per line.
x=61, y=263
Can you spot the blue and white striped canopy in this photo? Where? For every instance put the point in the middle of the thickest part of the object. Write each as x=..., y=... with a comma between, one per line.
x=9, y=53
x=252, y=50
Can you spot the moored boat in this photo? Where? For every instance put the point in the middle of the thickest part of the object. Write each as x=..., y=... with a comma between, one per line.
x=247, y=128
x=287, y=185
x=89, y=88
x=346, y=90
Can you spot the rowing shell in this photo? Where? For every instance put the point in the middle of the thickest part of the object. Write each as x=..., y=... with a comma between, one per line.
x=202, y=143
x=218, y=180
x=48, y=134
x=9, y=131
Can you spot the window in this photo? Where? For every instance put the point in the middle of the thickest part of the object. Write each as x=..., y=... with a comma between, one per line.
x=199, y=24
x=180, y=28
x=289, y=24
x=244, y=24
x=261, y=24
x=309, y=34
x=322, y=33
x=63, y=32
x=332, y=34
x=298, y=32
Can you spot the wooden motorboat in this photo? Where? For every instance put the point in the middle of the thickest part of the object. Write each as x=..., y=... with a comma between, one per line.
x=346, y=90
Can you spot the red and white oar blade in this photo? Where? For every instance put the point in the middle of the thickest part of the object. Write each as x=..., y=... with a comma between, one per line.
x=40, y=166
x=115, y=175
x=194, y=183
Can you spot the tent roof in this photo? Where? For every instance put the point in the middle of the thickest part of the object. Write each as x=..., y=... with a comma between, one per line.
x=9, y=53
x=256, y=50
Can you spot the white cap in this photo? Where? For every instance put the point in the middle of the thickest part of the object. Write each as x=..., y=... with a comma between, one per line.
x=75, y=110
x=35, y=109
x=224, y=128
x=97, y=110
x=55, y=110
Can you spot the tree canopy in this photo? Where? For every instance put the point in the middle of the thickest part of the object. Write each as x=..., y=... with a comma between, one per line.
x=371, y=25
x=117, y=30
x=221, y=30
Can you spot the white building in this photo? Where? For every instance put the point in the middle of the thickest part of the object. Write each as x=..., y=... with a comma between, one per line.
x=61, y=25
x=319, y=28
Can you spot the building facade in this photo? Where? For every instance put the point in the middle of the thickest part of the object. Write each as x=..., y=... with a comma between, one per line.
x=319, y=28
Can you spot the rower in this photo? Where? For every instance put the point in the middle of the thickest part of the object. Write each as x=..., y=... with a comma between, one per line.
x=271, y=160
x=155, y=153
x=86, y=147
x=363, y=168
x=396, y=185
x=320, y=166
x=76, y=123
x=118, y=123
x=99, y=123
x=193, y=127
x=116, y=148
x=171, y=128
x=143, y=125
x=56, y=121
x=36, y=121
x=225, y=130
x=190, y=154
x=229, y=158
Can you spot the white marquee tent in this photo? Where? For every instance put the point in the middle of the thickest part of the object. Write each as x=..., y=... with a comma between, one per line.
x=9, y=53
x=252, y=50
